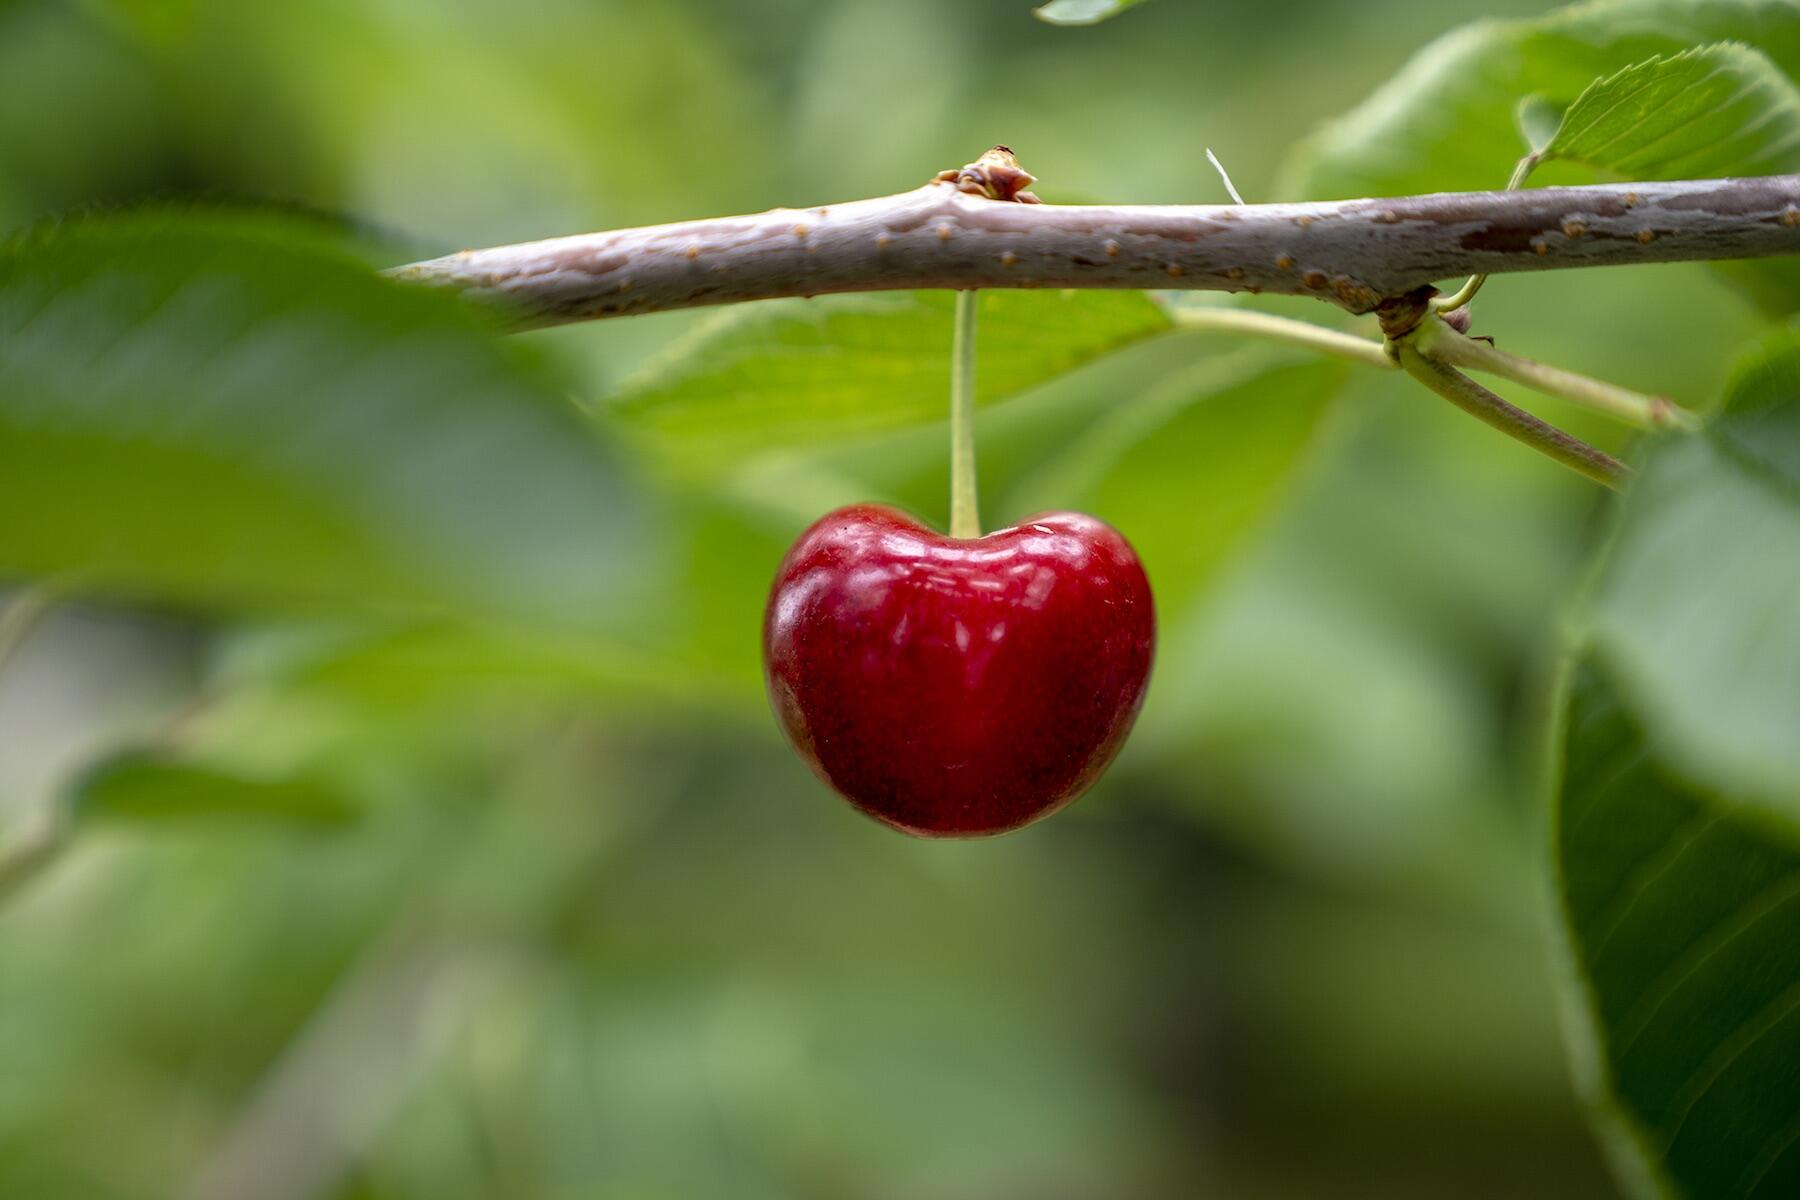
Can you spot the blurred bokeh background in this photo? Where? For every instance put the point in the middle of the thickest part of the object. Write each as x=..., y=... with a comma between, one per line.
x=589, y=930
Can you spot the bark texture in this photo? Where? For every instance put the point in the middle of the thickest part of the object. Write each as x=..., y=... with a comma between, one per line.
x=1355, y=253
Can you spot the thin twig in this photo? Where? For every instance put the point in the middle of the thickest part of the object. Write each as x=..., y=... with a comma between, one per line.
x=1355, y=253
x=1461, y=296
x=1484, y=405
x=1439, y=341
x=1441, y=349
x=1284, y=329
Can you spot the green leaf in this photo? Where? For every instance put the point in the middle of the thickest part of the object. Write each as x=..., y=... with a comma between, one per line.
x=1082, y=12
x=438, y=671
x=1439, y=123
x=795, y=372
x=1214, y=442
x=1677, y=812
x=1681, y=916
x=224, y=411
x=1699, y=607
x=1442, y=122
x=148, y=786
x=1722, y=109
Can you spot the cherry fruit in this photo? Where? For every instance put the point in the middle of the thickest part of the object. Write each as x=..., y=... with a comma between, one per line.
x=958, y=687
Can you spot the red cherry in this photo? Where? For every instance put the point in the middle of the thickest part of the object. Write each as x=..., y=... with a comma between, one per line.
x=954, y=688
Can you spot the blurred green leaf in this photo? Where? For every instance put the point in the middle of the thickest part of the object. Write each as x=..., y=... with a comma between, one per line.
x=1438, y=124
x=221, y=410
x=1082, y=12
x=1699, y=607
x=151, y=786
x=1682, y=919
x=909, y=468
x=442, y=672
x=1678, y=810
x=1212, y=443
x=1722, y=109
x=111, y=99
x=793, y=372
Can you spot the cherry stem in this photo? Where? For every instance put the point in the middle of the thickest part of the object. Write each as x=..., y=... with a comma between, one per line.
x=1485, y=406
x=1440, y=341
x=1283, y=329
x=1436, y=342
x=965, y=504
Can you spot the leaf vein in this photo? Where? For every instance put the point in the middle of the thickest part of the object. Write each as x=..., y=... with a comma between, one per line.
x=1687, y=962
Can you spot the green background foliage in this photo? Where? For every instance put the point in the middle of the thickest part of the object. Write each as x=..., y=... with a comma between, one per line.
x=428, y=836
x=1677, y=810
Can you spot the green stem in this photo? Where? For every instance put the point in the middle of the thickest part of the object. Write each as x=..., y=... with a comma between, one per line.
x=965, y=507
x=1284, y=329
x=1435, y=350
x=1521, y=172
x=1439, y=341
x=1485, y=406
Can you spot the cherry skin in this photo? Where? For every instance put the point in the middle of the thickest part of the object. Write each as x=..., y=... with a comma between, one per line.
x=957, y=688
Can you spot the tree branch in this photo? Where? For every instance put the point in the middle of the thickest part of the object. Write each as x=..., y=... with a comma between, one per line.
x=1355, y=253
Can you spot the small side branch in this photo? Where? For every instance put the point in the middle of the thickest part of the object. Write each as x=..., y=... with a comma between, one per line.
x=1515, y=422
x=1436, y=350
x=1304, y=334
x=1354, y=253
x=1461, y=297
x=1633, y=408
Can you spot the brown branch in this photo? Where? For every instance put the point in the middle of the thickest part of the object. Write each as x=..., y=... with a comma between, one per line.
x=1355, y=253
